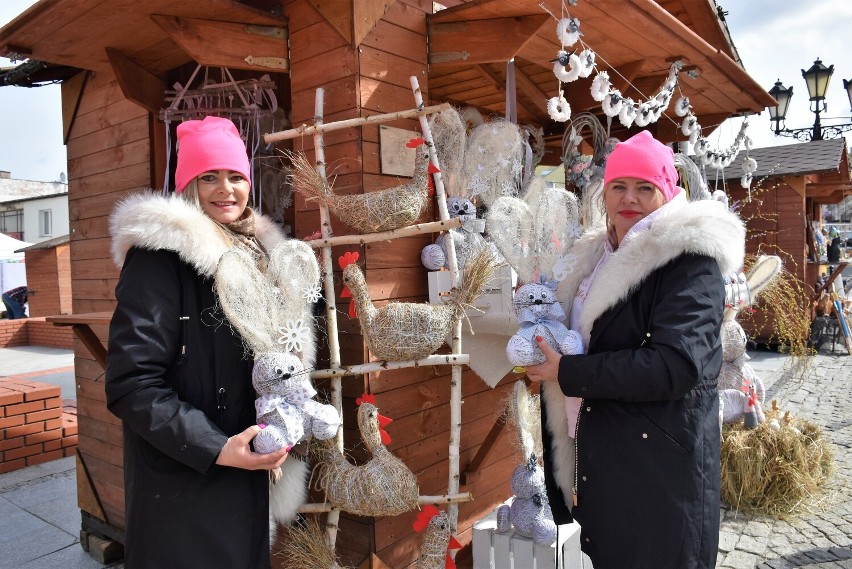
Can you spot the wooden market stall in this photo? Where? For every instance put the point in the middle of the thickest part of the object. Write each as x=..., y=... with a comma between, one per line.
x=148, y=57
x=785, y=204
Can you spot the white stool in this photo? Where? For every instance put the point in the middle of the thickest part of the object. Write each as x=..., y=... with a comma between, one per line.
x=510, y=550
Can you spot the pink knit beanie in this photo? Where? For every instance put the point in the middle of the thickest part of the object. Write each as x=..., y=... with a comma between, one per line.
x=209, y=144
x=642, y=156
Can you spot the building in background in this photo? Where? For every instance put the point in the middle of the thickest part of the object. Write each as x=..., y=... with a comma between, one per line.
x=33, y=211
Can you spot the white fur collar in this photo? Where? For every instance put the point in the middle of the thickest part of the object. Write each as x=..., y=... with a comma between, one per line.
x=152, y=221
x=702, y=227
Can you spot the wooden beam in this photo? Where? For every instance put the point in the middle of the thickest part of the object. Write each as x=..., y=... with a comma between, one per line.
x=530, y=91
x=367, y=14
x=481, y=41
x=339, y=15
x=229, y=44
x=72, y=94
x=137, y=83
x=796, y=183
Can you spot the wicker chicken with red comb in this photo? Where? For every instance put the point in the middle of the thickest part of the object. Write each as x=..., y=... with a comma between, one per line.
x=372, y=211
x=382, y=486
x=401, y=331
x=438, y=540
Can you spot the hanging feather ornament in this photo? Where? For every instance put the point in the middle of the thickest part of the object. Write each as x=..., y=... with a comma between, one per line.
x=568, y=31
x=612, y=103
x=558, y=108
x=600, y=86
x=682, y=107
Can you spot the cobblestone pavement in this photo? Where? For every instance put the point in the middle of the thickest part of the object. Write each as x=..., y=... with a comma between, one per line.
x=822, y=539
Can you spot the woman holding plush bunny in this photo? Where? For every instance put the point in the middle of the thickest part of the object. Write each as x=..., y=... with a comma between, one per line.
x=640, y=408
x=178, y=376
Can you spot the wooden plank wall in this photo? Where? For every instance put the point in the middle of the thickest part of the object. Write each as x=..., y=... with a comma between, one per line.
x=108, y=156
x=373, y=79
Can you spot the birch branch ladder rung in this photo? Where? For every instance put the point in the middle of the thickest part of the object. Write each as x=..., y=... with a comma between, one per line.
x=360, y=369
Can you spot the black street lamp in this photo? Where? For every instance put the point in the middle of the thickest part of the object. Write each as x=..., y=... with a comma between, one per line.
x=816, y=79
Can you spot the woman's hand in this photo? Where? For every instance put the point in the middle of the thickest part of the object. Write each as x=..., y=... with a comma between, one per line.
x=549, y=369
x=238, y=454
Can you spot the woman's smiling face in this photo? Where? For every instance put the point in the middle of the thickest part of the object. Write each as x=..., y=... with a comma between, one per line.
x=223, y=194
x=627, y=200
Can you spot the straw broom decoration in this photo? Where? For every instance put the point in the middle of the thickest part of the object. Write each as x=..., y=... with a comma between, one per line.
x=402, y=331
x=383, y=486
x=374, y=211
x=778, y=469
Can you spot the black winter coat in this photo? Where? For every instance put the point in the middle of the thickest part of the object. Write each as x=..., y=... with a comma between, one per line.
x=648, y=433
x=178, y=378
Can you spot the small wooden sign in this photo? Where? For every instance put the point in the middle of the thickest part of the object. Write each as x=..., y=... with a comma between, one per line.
x=397, y=159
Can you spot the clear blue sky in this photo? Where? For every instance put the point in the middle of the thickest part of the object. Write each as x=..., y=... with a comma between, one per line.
x=776, y=39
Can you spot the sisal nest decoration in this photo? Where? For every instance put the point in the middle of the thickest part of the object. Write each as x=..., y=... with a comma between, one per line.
x=778, y=469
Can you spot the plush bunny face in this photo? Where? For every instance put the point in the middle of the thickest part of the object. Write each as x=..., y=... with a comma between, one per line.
x=461, y=207
x=535, y=301
x=281, y=374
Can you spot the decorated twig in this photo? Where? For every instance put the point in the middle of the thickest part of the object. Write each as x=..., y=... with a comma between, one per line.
x=433, y=360
x=319, y=127
x=431, y=227
x=452, y=260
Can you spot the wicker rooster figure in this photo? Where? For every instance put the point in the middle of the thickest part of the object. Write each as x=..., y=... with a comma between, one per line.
x=401, y=331
x=373, y=211
x=438, y=540
x=383, y=486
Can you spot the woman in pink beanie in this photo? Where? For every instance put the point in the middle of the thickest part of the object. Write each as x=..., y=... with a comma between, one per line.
x=631, y=427
x=196, y=494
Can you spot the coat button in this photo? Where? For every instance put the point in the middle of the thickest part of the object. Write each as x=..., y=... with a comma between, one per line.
x=584, y=388
x=588, y=409
x=584, y=478
x=183, y=447
x=644, y=435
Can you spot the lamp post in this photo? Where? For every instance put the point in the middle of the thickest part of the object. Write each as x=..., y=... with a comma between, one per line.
x=817, y=79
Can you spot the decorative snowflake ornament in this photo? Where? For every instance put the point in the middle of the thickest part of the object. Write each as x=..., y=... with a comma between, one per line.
x=312, y=293
x=294, y=334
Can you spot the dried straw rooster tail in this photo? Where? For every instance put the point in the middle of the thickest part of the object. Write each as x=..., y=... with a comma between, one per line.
x=474, y=276
x=306, y=179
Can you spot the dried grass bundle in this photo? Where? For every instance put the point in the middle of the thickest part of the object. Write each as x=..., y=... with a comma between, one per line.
x=370, y=212
x=780, y=473
x=786, y=298
x=304, y=547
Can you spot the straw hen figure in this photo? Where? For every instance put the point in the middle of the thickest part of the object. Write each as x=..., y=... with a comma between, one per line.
x=370, y=212
x=438, y=540
x=383, y=486
x=401, y=331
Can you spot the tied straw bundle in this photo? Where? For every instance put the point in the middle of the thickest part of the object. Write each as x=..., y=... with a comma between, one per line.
x=304, y=547
x=778, y=469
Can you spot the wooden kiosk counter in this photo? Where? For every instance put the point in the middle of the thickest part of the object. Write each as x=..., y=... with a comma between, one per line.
x=125, y=89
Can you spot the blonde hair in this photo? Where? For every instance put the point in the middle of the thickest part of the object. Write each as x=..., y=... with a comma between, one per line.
x=190, y=192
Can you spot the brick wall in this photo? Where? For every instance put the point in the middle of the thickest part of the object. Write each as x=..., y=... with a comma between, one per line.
x=42, y=333
x=35, y=425
x=13, y=333
x=34, y=332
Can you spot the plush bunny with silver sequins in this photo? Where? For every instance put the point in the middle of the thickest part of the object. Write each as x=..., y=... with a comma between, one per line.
x=272, y=310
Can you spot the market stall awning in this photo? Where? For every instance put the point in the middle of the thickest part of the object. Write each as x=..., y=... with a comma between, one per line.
x=818, y=169
x=145, y=38
x=636, y=41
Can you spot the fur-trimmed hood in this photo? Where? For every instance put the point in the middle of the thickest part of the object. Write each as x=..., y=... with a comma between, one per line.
x=153, y=221
x=702, y=227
